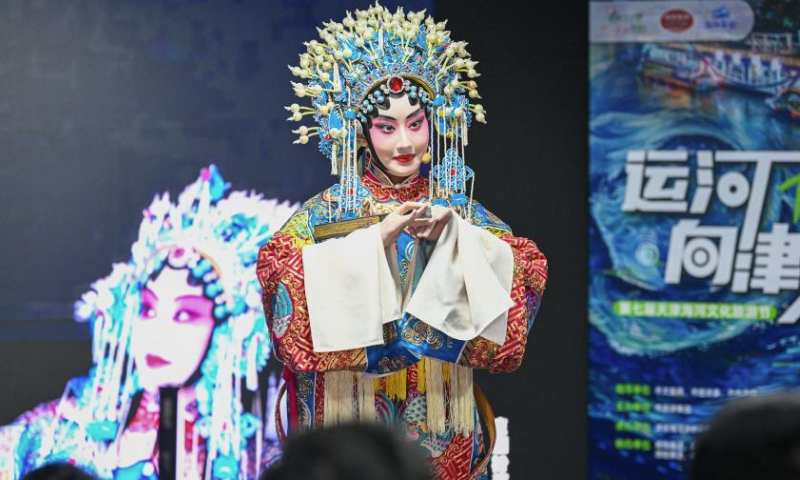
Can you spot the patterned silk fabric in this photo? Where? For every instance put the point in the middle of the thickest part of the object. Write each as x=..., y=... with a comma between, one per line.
x=280, y=271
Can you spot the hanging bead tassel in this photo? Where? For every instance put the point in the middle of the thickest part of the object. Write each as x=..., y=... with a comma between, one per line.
x=341, y=199
x=251, y=378
x=462, y=399
x=366, y=398
x=334, y=160
x=340, y=404
x=458, y=145
x=471, y=190
x=466, y=130
x=432, y=164
x=435, y=391
x=464, y=143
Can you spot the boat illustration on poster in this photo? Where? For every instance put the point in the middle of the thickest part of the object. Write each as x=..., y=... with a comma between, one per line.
x=767, y=64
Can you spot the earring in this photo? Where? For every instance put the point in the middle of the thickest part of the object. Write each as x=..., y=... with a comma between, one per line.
x=426, y=157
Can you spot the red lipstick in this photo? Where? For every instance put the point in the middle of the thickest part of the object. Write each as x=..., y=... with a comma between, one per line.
x=404, y=158
x=154, y=361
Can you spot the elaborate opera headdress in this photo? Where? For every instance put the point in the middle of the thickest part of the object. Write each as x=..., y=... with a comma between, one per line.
x=369, y=56
x=215, y=237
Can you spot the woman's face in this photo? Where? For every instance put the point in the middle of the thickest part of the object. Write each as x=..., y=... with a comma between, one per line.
x=400, y=137
x=170, y=336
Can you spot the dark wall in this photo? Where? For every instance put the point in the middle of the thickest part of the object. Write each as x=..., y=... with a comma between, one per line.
x=104, y=105
x=531, y=170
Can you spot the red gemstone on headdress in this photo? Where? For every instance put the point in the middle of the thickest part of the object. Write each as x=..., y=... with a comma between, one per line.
x=395, y=84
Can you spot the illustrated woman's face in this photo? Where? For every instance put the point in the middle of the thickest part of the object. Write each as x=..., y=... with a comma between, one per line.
x=400, y=137
x=170, y=336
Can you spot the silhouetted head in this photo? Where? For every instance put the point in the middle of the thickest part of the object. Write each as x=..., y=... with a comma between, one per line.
x=58, y=471
x=751, y=439
x=350, y=452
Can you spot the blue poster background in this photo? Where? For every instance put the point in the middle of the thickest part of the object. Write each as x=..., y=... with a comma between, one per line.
x=659, y=369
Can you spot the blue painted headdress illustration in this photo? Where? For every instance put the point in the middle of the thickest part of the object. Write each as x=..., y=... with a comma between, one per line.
x=216, y=236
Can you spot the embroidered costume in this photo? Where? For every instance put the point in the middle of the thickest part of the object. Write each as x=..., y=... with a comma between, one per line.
x=389, y=364
x=212, y=234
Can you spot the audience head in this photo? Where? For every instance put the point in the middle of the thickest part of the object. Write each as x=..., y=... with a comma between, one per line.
x=352, y=452
x=751, y=439
x=58, y=471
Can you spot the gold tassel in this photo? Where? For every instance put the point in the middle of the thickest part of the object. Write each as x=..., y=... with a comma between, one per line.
x=462, y=399
x=366, y=398
x=421, y=376
x=434, y=396
x=340, y=406
x=446, y=372
x=396, y=385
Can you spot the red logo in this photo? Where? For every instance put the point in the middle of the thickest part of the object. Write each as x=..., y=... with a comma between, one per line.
x=677, y=20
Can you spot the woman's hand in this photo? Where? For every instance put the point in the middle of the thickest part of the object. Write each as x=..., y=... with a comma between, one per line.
x=408, y=215
x=433, y=227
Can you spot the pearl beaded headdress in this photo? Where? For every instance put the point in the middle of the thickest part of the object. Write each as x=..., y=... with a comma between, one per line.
x=373, y=53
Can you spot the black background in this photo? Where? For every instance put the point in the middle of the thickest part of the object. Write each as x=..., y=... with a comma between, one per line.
x=532, y=170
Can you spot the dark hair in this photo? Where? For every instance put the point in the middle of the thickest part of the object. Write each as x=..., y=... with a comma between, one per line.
x=751, y=439
x=351, y=452
x=58, y=471
x=191, y=279
x=381, y=98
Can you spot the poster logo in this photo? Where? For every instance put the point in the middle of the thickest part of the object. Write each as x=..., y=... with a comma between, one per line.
x=720, y=19
x=677, y=20
x=669, y=21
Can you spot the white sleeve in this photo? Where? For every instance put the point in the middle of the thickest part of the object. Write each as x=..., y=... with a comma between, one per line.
x=465, y=290
x=350, y=291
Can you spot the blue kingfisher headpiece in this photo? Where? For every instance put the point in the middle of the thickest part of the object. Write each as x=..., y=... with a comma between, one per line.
x=370, y=55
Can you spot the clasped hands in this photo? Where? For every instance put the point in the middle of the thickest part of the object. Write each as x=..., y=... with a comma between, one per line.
x=412, y=217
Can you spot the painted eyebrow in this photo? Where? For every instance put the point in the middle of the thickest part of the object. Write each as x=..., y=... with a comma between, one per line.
x=392, y=119
x=413, y=115
x=191, y=298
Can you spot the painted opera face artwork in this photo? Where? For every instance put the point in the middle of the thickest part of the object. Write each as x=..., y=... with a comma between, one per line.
x=169, y=338
x=183, y=311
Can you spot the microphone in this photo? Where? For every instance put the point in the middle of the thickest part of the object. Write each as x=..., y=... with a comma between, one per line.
x=167, y=433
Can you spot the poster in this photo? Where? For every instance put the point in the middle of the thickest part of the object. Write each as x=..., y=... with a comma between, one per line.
x=694, y=235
